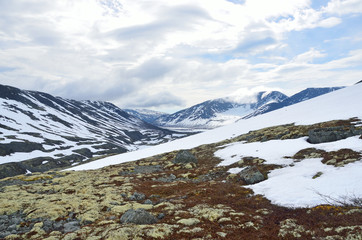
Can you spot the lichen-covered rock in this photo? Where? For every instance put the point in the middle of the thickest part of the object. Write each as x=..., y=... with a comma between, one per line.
x=251, y=175
x=330, y=134
x=138, y=216
x=184, y=157
x=188, y=221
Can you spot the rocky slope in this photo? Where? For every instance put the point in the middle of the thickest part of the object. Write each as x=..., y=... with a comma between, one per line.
x=181, y=195
x=39, y=132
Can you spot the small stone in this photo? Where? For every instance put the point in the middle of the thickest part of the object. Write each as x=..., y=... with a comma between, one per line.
x=189, y=166
x=124, y=195
x=138, y=216
x=58, y=226
x=71, y=227
x=137, y=197
x=161, y=216
x=148, y=201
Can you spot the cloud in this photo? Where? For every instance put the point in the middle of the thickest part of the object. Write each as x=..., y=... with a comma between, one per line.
x=154, y=100
x=151, y=69
x=342, y=7
x=249, y=95
x=173, y=53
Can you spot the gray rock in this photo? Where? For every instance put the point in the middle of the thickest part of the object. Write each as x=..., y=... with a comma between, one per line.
x=184, y=156
x=251, y=175
x=58, y=226
x=47, y=225
x=137, y=197
x=138, y=216
x=161, y=216
x=330, y=134
x=71, y=227
x=12, y=228
x=4, y=234
x=148, y=201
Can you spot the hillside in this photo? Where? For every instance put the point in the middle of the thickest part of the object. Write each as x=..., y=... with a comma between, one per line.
x=40, y=132
x=293, y=173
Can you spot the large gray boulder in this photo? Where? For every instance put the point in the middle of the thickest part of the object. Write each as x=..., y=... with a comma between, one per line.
x=184, y=157
x=138, y=216
x=251, y=175
x=330, y=134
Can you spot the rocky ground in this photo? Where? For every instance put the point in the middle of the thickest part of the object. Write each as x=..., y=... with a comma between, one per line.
x=174, y=196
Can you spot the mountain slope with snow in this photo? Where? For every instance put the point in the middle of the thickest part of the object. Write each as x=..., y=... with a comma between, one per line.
x=56, y=132
x=218, y=112
x=301, y=96
x=343, y=104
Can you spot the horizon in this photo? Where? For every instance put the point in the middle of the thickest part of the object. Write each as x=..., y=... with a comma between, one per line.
x=167, y=56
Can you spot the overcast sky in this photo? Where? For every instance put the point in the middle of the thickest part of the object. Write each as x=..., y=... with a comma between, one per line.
x=171, y=54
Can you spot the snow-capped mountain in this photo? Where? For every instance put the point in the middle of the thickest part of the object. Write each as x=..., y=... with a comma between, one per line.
x=219, y=112
x=55, y=132
x=146, y=115
x=296, y=98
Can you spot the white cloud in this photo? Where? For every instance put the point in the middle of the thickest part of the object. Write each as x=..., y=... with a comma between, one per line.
x=180, y=51
x=309, y=56
x=342, y=7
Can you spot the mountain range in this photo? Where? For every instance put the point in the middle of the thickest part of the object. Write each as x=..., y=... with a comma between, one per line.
x=224, y=111
x=39, y=131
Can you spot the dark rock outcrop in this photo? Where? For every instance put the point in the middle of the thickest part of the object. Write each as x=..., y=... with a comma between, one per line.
x=251, y=175
x=330, y=134
x=138, y=216
x=184, y=156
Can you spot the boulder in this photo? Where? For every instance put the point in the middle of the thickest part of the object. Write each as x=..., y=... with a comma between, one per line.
x=330, y=134
x=184, y=157
x=251, y=175
x=138, y=216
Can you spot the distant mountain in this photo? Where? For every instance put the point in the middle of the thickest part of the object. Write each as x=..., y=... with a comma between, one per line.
x=146, y=115
x=306, y=94
x=218, y=112
x=39, y=132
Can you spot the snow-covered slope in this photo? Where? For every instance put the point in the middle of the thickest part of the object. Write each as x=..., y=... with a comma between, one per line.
x=146, y=115
x=59, y=132
x=218, y=112
x=291, y=185
x=301, y=96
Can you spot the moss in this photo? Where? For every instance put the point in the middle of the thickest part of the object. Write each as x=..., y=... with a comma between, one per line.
x=317, y=175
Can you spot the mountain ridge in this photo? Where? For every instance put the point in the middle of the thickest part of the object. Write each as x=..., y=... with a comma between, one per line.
x=54, y=132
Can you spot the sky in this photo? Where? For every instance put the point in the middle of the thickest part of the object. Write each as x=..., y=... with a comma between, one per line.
x=168, y=55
